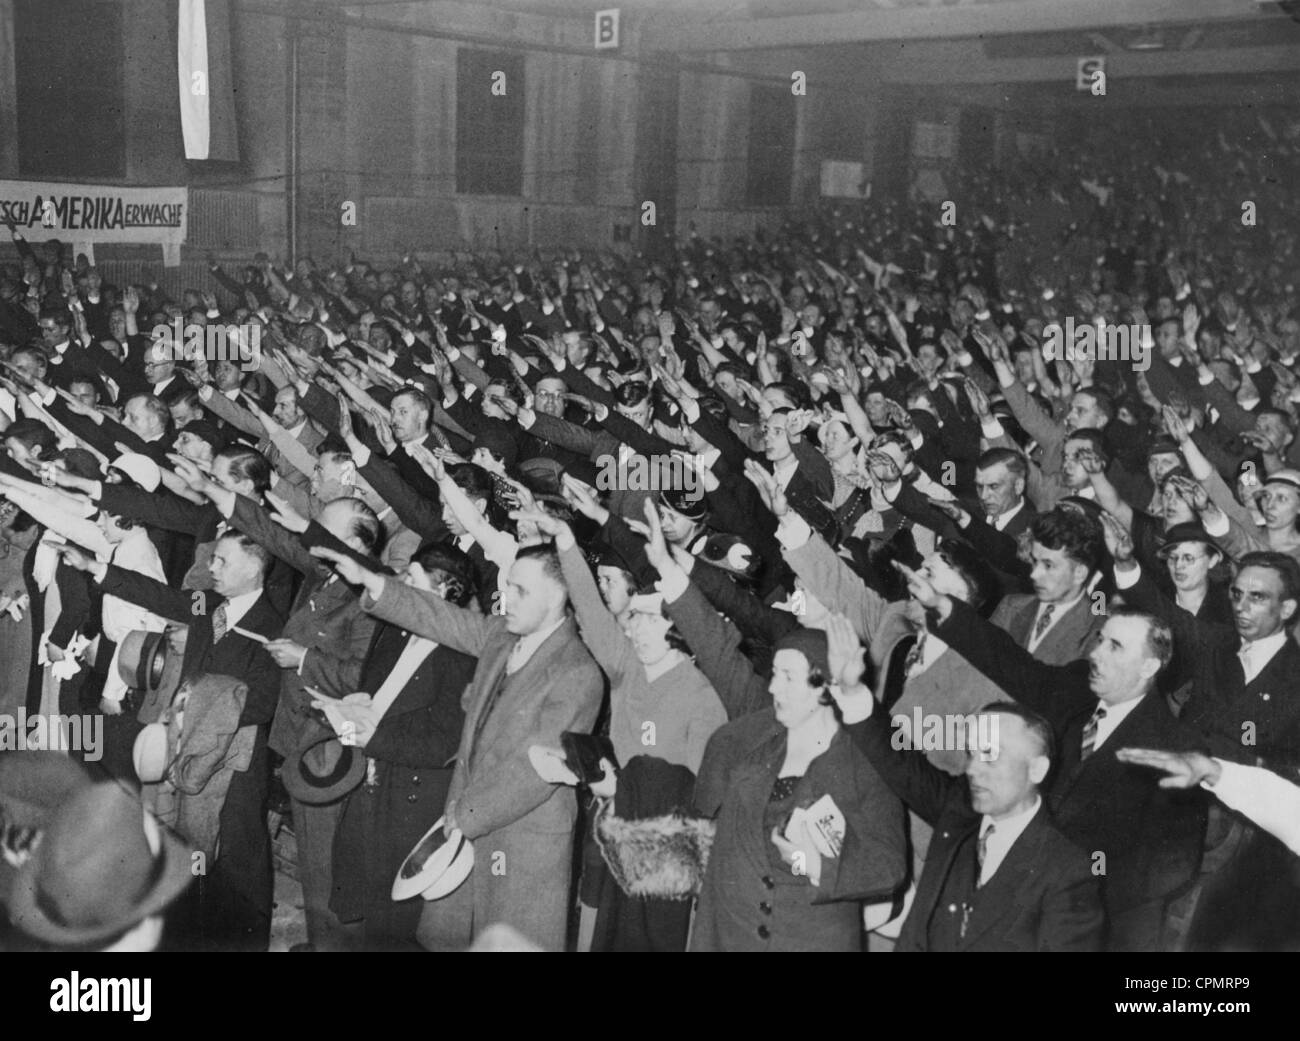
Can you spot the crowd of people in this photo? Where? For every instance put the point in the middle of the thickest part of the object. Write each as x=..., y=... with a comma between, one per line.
x=778, y=594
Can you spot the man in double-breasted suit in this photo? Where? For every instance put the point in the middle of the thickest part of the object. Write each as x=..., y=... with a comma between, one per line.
x=1146, y=839
x=535, y=680
x=234, y=896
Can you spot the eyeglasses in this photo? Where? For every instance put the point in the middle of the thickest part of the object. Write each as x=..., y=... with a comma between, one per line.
x=1186, y=558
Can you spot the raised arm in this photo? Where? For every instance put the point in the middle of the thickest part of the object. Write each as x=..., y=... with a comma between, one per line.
x=601, y=632
x=428, y=615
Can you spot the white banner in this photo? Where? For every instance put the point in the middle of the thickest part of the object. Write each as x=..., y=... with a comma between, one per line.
x=93, y=213
x=192, y=66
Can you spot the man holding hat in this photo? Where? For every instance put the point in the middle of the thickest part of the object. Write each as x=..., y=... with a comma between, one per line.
x=535, y=680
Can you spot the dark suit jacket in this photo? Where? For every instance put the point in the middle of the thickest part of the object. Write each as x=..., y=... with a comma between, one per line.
x=326, y=618
x=1241, y=721
x=1043, y=896
x=413, y=747
x=172, y=513
x=1151, y=836
x=234, y=655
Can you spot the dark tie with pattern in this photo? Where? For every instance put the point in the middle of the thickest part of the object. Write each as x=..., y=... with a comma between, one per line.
x=1090, y=732
x=1044, y=620
x=219, y=627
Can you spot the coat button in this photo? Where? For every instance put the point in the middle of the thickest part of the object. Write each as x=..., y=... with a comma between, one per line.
x=765, y=907
x=767, y=881
x=764, y=932
x=415, y=779
x=411, y=797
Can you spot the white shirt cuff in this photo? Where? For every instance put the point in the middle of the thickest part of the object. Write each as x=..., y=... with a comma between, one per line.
x=793, y=531
x=992, y=429
x=857, y=707
x=1127, y=579
x=1220, y=526
x=673, y=584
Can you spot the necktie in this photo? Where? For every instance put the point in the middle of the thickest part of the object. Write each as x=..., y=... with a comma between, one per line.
x=219, y=622
x=1044, y=620
x=981, y=852
x=1244, y=655
x=1090, y=732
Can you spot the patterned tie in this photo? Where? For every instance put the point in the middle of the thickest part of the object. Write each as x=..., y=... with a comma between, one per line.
x=981, y=852
x=1044, y=620
x=1090, y=732
x=219, y=628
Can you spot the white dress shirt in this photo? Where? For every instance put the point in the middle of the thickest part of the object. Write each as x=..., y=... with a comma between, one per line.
x=1003, y=837
x=238, y=606
x=1258, y=653
x=1115, y=715
x=527, y=647
x=1003, y=519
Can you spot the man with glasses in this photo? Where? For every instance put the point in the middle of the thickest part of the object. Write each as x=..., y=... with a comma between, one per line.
x=1245, y=703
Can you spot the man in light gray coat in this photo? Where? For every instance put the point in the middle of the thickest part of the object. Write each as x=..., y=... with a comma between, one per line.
x=535, y=680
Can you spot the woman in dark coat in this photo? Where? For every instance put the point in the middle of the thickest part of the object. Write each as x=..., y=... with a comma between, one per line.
x=770, y=886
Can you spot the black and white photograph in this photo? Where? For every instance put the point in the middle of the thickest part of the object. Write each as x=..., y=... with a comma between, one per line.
x=685, y=476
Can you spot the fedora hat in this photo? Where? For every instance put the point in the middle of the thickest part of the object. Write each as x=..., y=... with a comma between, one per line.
x=323, y=771
x=151, y=664
x=103, y=865
x=149, y=753
x=142, y=658
x=437, y=865
x=33, y=785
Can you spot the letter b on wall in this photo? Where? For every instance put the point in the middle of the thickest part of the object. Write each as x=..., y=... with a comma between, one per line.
x=607, y=29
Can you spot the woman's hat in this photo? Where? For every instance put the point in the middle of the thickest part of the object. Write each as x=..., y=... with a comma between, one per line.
x=324, y=771
x=140, y=468
x=437, y=865
x=103, y=865
x=1189, y=531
